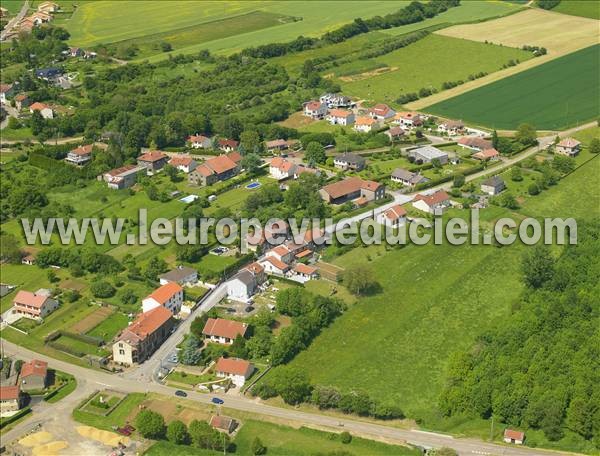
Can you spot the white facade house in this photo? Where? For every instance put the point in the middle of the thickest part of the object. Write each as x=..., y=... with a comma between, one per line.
x=80, y=155
x=394, y=217
x=365, y=124
x=45, y=110
x=408, y=120
x=452, y=127
x=183, y=163
x=235, y=369
x=281, y=169
x=245, y=283
x=340, y=117
x=315, y=110
x=381, y=112
x=200, y=142
x=274, y=266
x=222, y=331
x=169, y=296
x=281, y=253
x=435, y=203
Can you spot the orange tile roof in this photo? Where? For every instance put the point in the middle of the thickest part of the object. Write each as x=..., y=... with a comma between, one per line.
x=121, y=170
x=281, y=250
x=83, y=150
x=34, y=367
x=487, y=153
x=224, y=328
x=204, y=170
x=433, y=199
x=515, y=435
x=569, y=142
x=8, y=393
x=340, y=113
x=363, y=120
x=305, y=269
x=304, y=253
x=313, y=105
x=152, y=156
x=255, y=268
x=348, y=186
x=165, y=292
x=181, y=160
x=220, y=164
x=233, y=366
x=27, y=298
x=395, y=212
x=221, y=422
x=278, y=264
x=37, y=106
x=146, y=323
x=380, y=109
x=198, y=138
x=235, y=157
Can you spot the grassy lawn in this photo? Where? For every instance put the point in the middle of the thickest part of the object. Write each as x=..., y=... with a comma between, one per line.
x=13, y=6
x=189, y=379
x=20, y=134
x=80, y=346
x=430, y=295
x=543, y=96
x=213, y=264
x=68, y=388
x=426, y=63
x=287, y=441
x=109, y=328
x=584, y=8
x=115, y=418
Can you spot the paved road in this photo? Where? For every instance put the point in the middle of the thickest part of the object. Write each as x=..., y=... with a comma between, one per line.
x=51, y=142
x=15, y=20
x=89, y=380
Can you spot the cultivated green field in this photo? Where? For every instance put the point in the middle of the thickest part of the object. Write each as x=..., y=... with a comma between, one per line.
x=585, y=8
x=109, y=327
x=13, y=6
x=287, y=441
x=95, y=22
x=434, y=301
x=424, y=64
x=558, y=94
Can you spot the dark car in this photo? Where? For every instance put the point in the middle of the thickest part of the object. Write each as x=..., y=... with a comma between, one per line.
x=216, y=400
x=249, y=309
x=180, y=393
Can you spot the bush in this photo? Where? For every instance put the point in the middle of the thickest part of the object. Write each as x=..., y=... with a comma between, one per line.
x=177, y=433
x=345, y=437
x=102, y=289
x=258, y=448
x=150, y=424
x=533, y=189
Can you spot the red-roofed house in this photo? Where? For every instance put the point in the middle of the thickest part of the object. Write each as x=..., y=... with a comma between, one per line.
x=568, y=146
x=381, y=112
x=223, y=331
x=237, y=370
x=45, y=110
x=366, y=124
x=282, y=253
x=200, y=142
x=22, y=101
x=475, y=143
x=340, y=117
x=305, y=272
x=153, y=160
x=395, y=133
x=32, y=305
x=274, y=266
x=315, y=109
x=34, y=375
x=394, y=216
x=169, y=296
x=6, y=91
x=435, y=203
x=408, y=119
x=281, y=169
x=80, y=155
x=276, y=145
x=10, y=400
x=512, y=436
x=142, y=337
x=223, y=423
x=487, y=154
x=216, y=169
x=123, y=177
x=352, y=188
x=228, y=145
x=183, y=163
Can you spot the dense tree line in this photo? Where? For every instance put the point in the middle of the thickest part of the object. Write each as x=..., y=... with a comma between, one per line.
x=541, y=368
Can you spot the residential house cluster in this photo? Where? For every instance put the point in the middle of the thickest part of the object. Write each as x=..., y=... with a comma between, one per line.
x=155, y=323
x=32, y=377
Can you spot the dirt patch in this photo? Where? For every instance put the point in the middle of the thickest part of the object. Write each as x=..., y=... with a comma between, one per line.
x=72, y=285
x=367, y=74
x=281, y=322
x=111, y=439
x=50, y=449
x=92, y=320
x=296, y=120
x=39, y=438
x=171, y=410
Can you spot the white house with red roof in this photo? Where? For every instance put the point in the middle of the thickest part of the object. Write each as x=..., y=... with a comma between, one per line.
x=169, y=296
x=274, y=266
x=435, y=203
x=33, y=305
x=487, y=154
x=281, y=253
x=408, y=120
x=281, y=169
x=6, y=91
x=80, y=155
x=123, y=177
x=183, y=162
x=452, y=127
x=223, y=331
x=143, y=336
x=340, y=117
x=200, y=142
x=235, y=369
x=512, y=436
x=33, y=375
x=382, y=112
x=315, y=110
x=394, y=217
x=153, y=160
x=568, y=146
x=365, y=124
x=304, y=272
x=44, y=109
x=228, y=145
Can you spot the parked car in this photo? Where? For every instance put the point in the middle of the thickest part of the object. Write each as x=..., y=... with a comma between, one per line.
x=180, y=393
x=249, y=309
x=216, y=400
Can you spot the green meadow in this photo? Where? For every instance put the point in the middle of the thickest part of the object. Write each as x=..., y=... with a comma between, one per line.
x=552, y=96
x=427, y=63
x=585, y=8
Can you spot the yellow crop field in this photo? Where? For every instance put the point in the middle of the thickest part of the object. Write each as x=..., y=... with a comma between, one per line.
x=558, y=33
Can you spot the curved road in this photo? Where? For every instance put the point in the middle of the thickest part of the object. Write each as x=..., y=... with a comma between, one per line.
x=90, y=380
